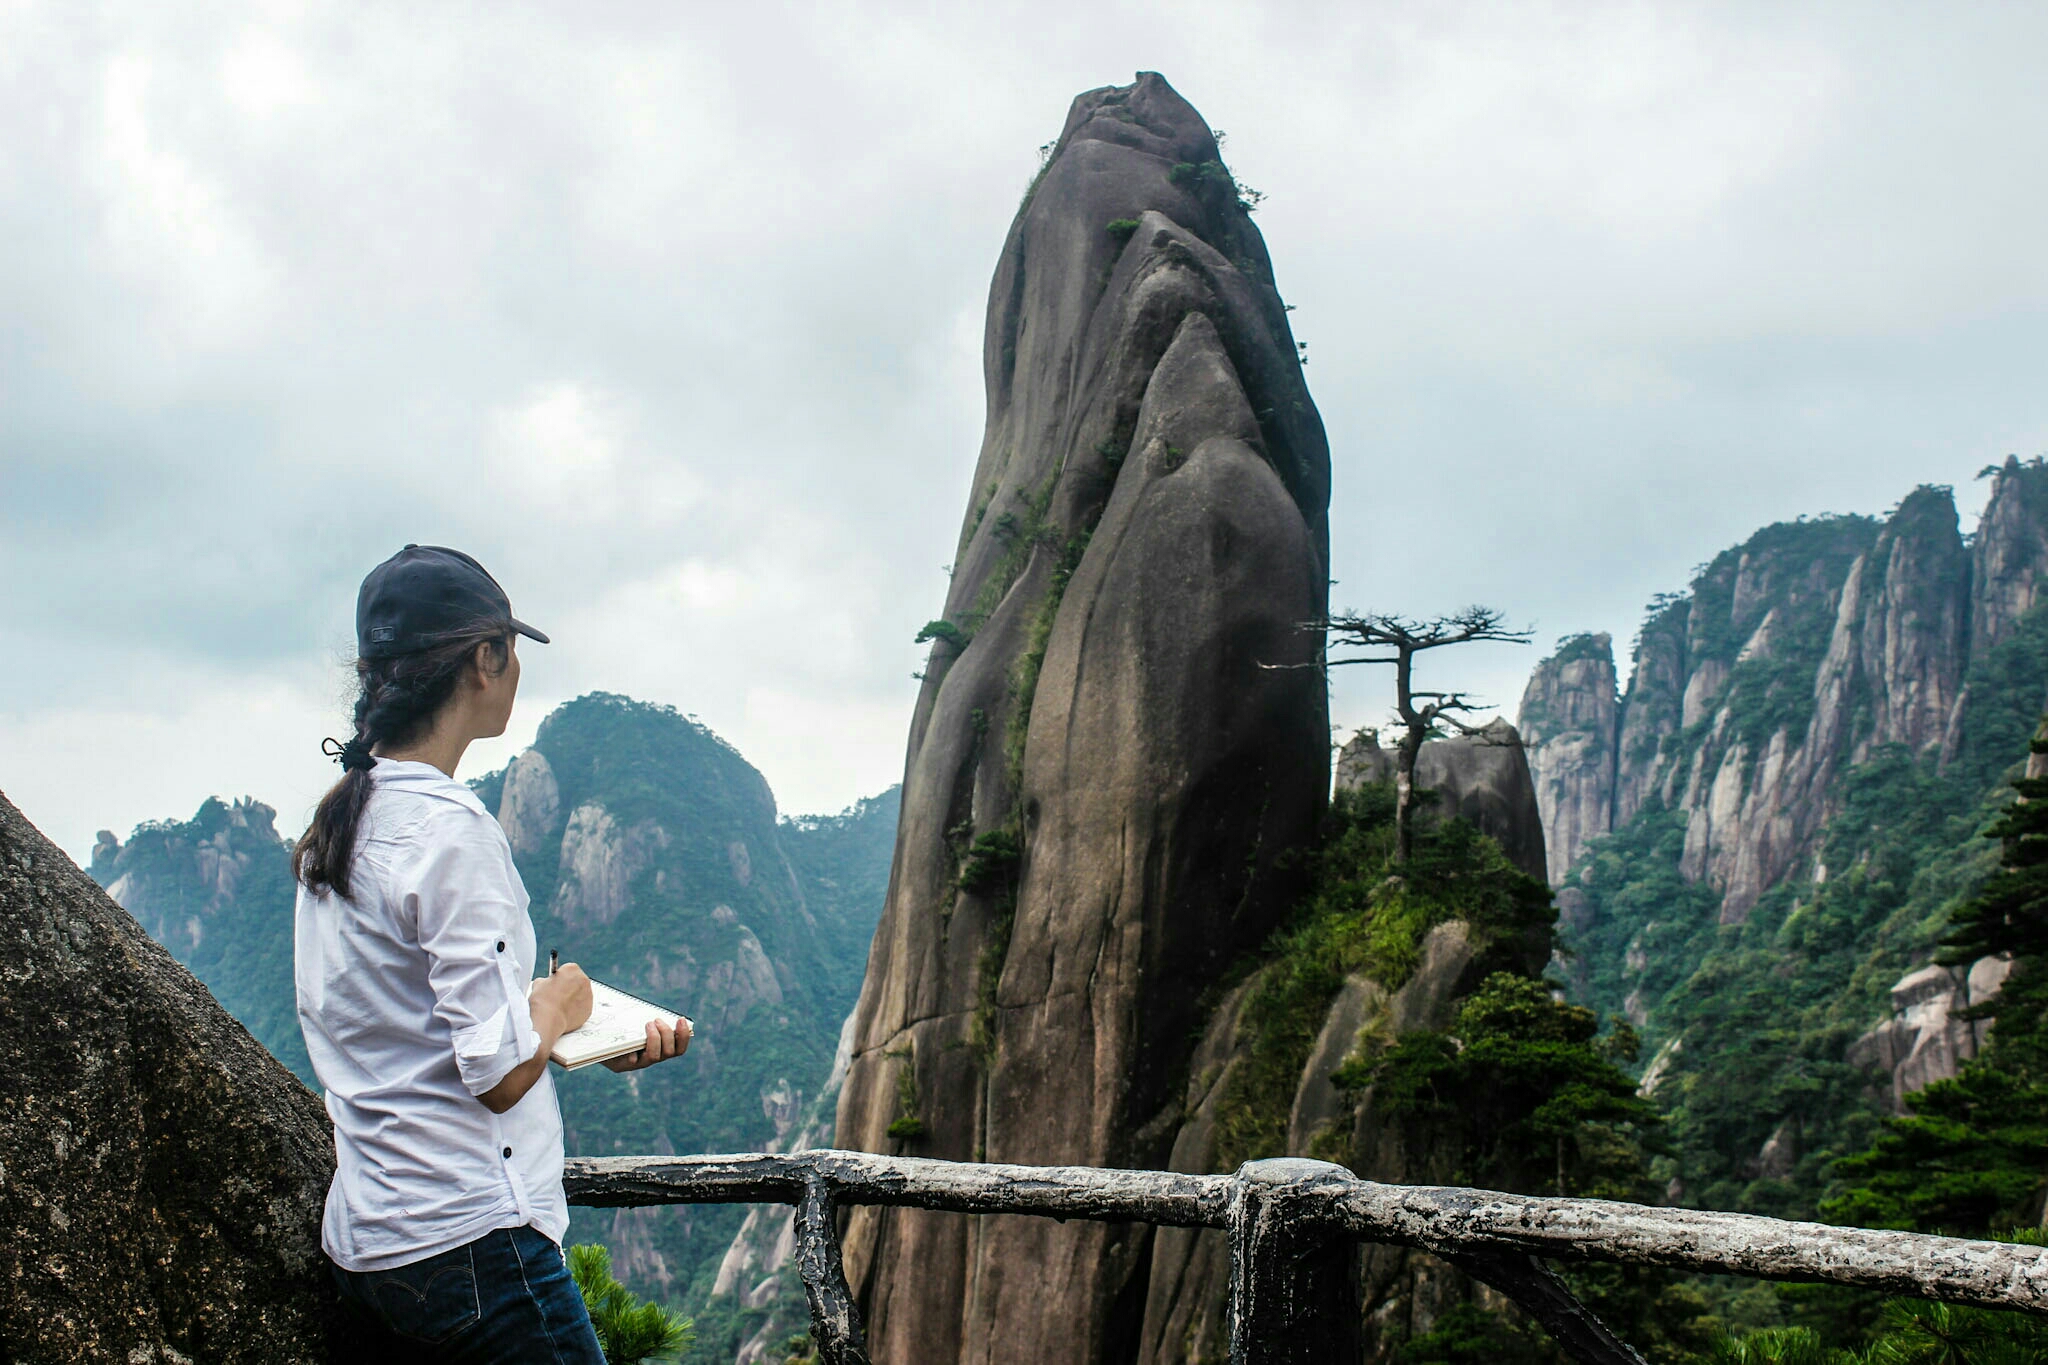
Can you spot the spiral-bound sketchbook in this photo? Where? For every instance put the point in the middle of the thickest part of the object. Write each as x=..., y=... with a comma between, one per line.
x=617, y=1026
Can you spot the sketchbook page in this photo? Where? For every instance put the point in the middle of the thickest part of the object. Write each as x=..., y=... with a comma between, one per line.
x=617, y=1026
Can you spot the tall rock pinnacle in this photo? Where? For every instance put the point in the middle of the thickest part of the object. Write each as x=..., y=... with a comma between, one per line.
x=1101, y=776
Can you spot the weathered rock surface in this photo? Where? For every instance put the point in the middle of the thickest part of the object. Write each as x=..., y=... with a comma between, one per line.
x=2008, y=555
x=1095, y=745
x=1403, y=1292
x=530, y=809
x=599, y=860
x=161, y=1175
x=1570, y=723
x=1926, y=1040
x=1482, y=777
x=1738, y=716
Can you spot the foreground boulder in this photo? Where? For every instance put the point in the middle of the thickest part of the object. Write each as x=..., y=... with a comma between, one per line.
x=1106, y=768
x=161, y=1175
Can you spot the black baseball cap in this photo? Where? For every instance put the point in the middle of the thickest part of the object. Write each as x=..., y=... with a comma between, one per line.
x=424, y=593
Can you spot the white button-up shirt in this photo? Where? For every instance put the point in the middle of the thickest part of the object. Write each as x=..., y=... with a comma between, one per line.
x=412, y=998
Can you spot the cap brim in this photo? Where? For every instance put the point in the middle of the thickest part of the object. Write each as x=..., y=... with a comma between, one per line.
x=528, y=631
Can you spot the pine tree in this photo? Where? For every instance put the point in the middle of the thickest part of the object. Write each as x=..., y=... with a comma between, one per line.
x=1971, y=1157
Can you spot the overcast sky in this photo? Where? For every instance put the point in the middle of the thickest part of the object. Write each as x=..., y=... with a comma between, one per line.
x=671, y=315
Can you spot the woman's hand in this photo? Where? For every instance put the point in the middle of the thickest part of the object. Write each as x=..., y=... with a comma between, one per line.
x=557, y=1004
x=566, y=996
x=663, y=1043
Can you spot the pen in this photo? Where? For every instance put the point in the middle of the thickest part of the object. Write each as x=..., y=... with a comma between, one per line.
x=553, y=954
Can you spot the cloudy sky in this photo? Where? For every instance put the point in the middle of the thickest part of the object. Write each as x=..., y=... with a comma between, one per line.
x=671, y=314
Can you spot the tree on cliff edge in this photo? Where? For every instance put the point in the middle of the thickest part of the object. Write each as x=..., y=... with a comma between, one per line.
x=1405, y=639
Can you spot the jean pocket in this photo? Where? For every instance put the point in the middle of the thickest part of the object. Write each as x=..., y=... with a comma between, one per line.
x=431, y=1300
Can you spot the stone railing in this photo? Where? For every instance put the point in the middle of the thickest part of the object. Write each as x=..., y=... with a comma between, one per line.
x=1295, y=1226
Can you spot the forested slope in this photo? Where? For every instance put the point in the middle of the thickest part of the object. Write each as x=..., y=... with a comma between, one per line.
x=1769, y=837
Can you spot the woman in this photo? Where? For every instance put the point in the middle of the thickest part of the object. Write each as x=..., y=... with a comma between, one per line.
x=414, y=958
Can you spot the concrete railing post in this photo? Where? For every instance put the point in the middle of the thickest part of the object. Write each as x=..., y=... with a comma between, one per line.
x=1293, y=1275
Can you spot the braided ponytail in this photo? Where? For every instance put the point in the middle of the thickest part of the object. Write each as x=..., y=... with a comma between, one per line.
x=396, y=705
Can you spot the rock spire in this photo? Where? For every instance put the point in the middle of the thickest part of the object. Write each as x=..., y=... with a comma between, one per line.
x=1101, y=776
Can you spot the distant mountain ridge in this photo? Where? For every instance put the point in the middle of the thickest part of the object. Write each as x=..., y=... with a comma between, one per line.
x=654, y=856
x=217, y=891
x=1794, y=656
x=1758, y=846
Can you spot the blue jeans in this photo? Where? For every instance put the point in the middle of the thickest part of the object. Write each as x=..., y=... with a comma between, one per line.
x=504, y=1299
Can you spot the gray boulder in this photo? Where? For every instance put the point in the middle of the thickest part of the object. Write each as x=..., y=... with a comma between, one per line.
x=161, y=1175
x=1483, y=777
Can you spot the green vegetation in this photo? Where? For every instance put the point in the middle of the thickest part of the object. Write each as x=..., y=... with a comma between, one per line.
x=1037, y=635
x=629, y=1331
x=991, y=861
x=944, y=630
x=1520, y=1094
x=1359, y=917
x=1749, y=1025
x=1212, y=180
x=1121, y=230
x=1971, y=1156
x=1020, y=535
x=909, y=1124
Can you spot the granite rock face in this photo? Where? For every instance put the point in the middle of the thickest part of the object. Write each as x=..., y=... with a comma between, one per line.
x=1794, y=657
x=1570, y=722
x=1482, y=777
x=600, y=859
x=1925, y=1039
x=530, y=808
x=2008, y=555
x=1403, y=1292
x=1100, y=774
x=163, y=1174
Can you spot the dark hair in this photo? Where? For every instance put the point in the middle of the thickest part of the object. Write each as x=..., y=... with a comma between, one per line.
x=399, y=699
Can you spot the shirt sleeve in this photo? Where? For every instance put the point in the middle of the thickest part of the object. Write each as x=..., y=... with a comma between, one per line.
x=464, y=903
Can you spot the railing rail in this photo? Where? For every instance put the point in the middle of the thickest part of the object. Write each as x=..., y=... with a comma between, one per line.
x=1294, y=1226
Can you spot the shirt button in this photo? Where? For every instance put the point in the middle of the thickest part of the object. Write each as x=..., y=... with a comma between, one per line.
x=508, y=1151
x=501, y=945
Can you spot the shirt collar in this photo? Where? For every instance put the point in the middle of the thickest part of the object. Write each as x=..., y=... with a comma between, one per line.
x=426, y=779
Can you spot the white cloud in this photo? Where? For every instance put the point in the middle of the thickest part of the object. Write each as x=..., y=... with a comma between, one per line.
x=673, y=317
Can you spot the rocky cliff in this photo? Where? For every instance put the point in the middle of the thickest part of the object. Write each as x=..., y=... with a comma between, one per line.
x=1101, y=778
x=1483, y=780
x=164, y=1176
x=1758, y=863
x=1570, y=723
x=1794, y=657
